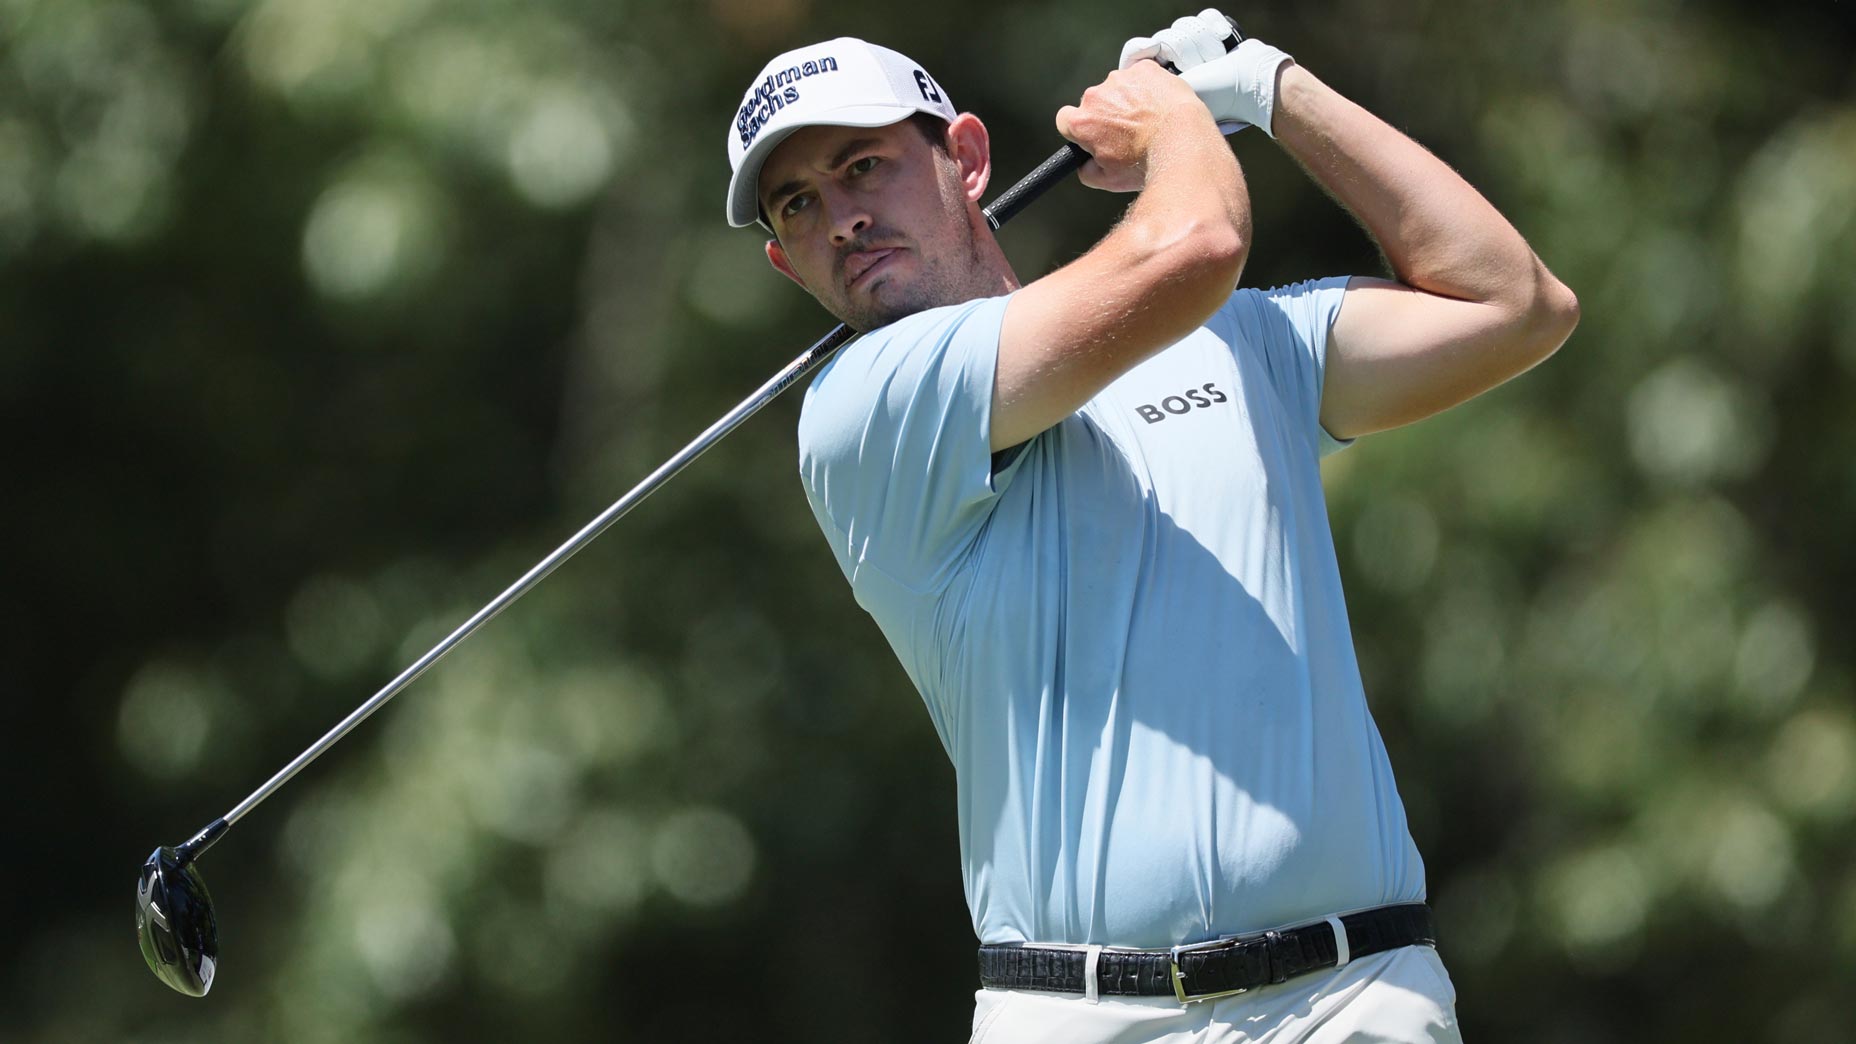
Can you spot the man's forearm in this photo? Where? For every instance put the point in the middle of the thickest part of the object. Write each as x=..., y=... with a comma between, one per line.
x=1192, y=181
x=1438, y=233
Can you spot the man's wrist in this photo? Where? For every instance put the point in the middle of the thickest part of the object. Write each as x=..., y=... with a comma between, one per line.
x=1188, y=170
x=1184, y=130
x=1300, y=98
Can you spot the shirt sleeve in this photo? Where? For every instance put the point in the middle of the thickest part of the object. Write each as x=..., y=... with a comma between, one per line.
x=1288, y=327
x=895, y=445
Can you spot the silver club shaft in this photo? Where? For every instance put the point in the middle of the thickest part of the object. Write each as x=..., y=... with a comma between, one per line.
x=804, y=364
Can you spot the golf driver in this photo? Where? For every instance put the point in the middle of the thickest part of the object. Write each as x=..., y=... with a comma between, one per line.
x=174, y=920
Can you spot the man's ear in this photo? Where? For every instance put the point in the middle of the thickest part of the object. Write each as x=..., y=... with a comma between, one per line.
x=777, y=258
x=971, y=149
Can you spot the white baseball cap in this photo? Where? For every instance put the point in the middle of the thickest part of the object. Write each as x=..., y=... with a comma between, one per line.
x=839, y=83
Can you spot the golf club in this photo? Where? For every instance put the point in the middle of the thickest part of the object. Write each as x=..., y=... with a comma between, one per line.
x=174, y=921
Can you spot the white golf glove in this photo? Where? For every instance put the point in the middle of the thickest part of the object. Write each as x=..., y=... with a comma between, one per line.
x=1192, y=40
x=1238, y=87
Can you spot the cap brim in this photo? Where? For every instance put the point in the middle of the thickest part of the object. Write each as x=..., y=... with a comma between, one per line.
x=744, y=187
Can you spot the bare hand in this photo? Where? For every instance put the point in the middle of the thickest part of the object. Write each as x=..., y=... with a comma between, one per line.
x=1119, y=120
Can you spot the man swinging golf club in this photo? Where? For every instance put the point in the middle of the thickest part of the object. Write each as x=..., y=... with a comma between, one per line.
x=1086, y=511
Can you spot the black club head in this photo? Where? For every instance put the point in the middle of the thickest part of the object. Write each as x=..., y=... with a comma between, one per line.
x=174, y=923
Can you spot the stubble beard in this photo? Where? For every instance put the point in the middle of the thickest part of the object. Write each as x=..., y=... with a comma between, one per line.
x=945, y=277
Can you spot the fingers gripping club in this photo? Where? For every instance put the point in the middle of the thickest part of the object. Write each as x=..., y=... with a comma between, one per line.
x=1233, y=75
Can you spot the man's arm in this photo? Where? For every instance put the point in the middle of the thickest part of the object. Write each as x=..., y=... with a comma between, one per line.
x=1168, y=265
x=1472, y=306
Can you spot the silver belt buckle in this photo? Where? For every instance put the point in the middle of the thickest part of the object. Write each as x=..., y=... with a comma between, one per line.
x=1179, y=977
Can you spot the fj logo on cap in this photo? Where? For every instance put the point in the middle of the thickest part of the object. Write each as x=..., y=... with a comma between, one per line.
x=774, y=93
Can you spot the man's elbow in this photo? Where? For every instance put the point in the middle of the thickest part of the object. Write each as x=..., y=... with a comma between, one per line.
x=1210, y=259
x=1191, y=264
x=1559, y=311
x=1547, y=319
x=1224, y=242
x=1189, y=243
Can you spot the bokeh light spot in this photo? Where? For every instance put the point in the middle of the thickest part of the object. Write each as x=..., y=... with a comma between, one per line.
x=1688, y=425
x=1797, y=207
x=316, y=52
x=1597, y=900
x=611, y=715
x=560, y=151
x=374, y=229
x=332, y=626
x=1751, y=860
x=1775, y=656
x=110, y=193
x=523, y=792
x=1812, y=763
x=165, y=719
x=402, y=936
x=602, y=866
x=703, y=856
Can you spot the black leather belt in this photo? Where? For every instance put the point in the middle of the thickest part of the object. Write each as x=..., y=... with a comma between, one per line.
x=1204, y=970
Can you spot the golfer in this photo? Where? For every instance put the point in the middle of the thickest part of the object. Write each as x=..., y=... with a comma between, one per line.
x=1086, y=511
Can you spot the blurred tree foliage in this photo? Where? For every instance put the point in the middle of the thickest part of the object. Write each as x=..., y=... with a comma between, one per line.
x=321, y=319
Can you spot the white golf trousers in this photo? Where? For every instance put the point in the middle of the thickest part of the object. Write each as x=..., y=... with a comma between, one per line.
x=1402, y=996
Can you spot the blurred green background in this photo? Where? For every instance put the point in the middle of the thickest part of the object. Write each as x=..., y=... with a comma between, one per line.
x=320, y=320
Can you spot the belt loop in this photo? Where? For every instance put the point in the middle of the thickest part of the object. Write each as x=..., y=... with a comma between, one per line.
x=1091, y=989
x=1341, y=953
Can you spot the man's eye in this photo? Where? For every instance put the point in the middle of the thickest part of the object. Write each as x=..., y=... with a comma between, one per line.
x=794, y=205
x=862, y=166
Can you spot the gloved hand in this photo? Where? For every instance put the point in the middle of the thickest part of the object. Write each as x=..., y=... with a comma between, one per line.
x=1189, y=41
x=1238, y=87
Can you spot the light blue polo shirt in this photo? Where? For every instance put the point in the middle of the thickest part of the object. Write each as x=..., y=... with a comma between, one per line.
x=1129, y=631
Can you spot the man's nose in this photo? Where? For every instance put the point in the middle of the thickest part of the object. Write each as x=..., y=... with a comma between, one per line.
x=849, y=218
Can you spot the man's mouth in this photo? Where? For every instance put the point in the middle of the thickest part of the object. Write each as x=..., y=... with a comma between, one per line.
x=859, y=264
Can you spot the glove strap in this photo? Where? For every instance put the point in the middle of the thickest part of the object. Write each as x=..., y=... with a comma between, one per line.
x=1257, y=66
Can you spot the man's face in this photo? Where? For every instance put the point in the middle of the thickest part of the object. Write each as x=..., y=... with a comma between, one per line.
x=872, y=221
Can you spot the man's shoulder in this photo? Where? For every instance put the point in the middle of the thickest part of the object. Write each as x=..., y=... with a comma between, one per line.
x=918, y=366
x=884, y=351
x=929, y=324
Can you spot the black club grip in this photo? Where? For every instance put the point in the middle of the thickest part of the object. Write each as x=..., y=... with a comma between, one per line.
x=1060, y=165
